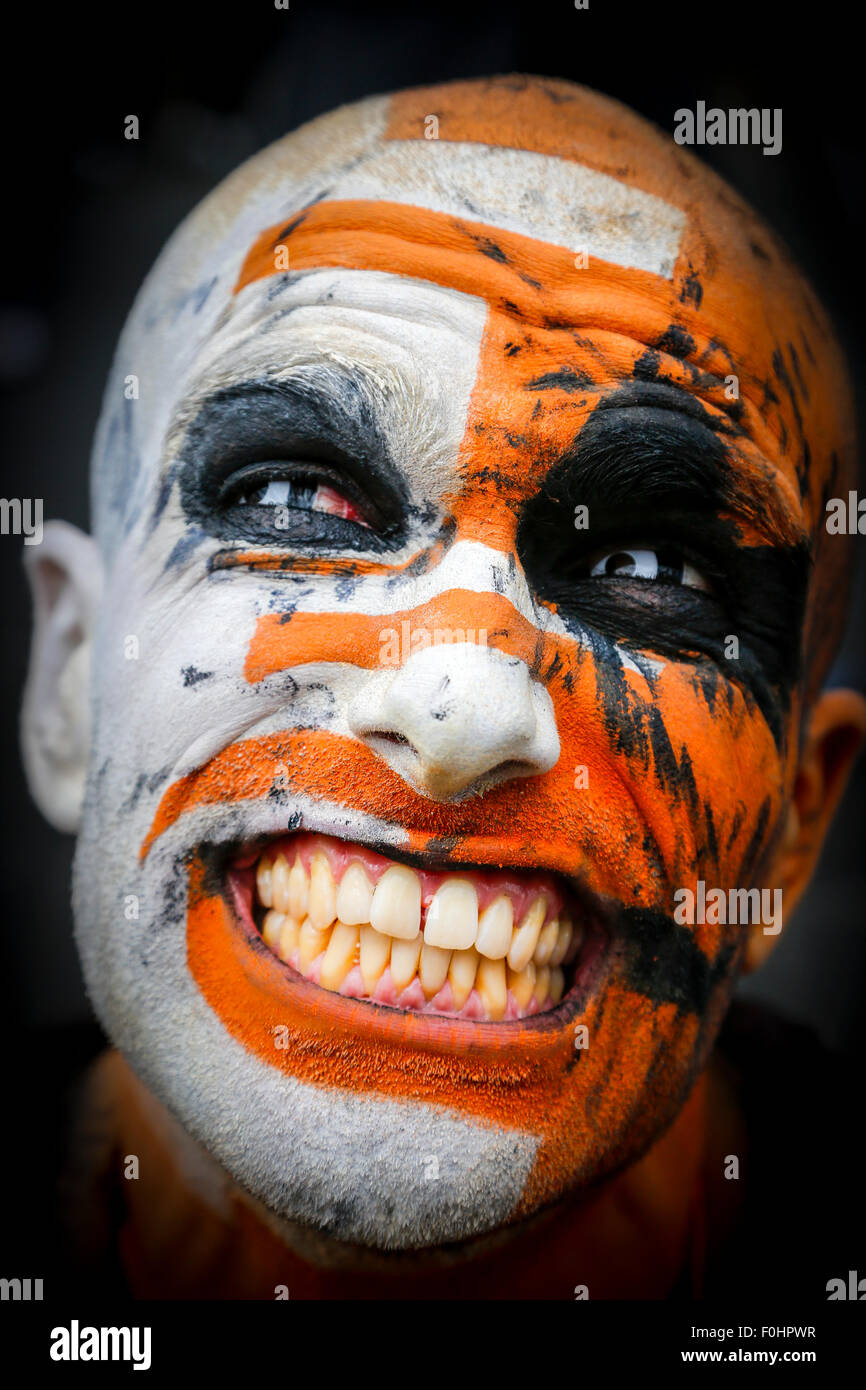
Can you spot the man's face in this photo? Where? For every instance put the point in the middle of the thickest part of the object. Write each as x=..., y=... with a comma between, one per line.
x=456, y=629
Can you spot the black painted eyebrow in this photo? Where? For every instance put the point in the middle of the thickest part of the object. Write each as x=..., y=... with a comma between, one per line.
x=640, y=458
x=328, y=413
x=665, y=396
x=656, y=446
x=700, y=447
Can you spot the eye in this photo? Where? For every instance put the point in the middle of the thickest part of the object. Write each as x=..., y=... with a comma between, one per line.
x=285, y=495
x=649, y=564
x=306, y=496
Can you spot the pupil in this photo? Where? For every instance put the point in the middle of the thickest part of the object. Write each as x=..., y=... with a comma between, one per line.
x=276, y=493
x=621, y=563
x=671, y=566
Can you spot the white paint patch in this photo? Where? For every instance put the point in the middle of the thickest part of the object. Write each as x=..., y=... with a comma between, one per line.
x=630, y=665
x=538, y=195
x=471, y=717
x=356, y=1167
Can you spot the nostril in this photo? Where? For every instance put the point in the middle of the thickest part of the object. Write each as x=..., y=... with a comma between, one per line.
x=388, y=736
x=514, y=767
x=506, y=771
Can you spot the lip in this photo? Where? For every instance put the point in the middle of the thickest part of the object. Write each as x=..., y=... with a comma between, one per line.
x=393, y=1026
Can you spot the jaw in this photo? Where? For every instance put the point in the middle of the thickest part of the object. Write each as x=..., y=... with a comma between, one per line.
x=375, y=1124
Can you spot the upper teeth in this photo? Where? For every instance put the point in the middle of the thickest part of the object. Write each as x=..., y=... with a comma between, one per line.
x=525, y=938
x=395, y=908
x=354, y=895
x=323, y=893
x=352, y=923
x=495, y=928
x=452, y=917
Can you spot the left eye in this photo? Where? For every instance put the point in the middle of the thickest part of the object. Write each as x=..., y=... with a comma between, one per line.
x=660, y=565
x=303, y=496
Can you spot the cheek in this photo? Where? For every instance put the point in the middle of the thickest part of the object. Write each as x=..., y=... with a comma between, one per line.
x=677, y=775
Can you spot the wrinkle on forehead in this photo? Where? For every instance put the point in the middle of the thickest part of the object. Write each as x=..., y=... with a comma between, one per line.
x=408, y=349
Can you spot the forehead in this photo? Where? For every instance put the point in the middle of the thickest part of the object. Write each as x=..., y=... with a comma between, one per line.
x=570, y=251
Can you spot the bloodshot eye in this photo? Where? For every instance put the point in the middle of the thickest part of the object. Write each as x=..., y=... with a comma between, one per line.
x=659, y=565
x=301, y=496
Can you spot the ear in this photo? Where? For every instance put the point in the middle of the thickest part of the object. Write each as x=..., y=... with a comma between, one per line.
x=837, y=727
x=65, y=574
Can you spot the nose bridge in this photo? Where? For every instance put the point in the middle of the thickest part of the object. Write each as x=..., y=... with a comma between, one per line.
x=475, y=566
x=454, y=706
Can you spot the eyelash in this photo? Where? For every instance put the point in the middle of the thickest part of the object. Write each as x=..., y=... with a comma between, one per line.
x=330, y=501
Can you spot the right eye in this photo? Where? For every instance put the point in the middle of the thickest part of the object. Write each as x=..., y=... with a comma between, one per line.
x=290, y=495
x=307, y=496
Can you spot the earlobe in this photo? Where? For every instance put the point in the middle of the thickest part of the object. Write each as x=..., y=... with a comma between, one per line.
x=65, y=574
x=837, y=728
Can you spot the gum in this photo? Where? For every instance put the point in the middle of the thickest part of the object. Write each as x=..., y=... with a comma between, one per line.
x=522, y=889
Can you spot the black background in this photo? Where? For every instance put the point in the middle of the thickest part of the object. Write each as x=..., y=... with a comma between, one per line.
x=87, y=211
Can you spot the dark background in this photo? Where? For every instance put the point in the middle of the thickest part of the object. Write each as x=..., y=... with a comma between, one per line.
x=87, y=212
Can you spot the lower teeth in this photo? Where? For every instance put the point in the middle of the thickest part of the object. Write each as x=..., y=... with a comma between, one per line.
x=359, y=961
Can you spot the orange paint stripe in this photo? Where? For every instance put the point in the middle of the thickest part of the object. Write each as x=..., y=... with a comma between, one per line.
x=534, y=280
x=283, y=640
x=336, y=567
x=553, y=118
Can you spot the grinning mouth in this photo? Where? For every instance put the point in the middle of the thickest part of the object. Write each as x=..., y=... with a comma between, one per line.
x=478, y=944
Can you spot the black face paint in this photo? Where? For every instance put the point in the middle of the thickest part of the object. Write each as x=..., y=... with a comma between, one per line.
x=319, y=430
x=660, y=476
x=664, y=963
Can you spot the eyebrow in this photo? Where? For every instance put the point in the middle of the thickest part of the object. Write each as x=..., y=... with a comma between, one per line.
x=320, y=403
x=651, y=443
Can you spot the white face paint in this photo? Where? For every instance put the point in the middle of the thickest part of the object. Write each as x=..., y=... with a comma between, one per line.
x=171, y=694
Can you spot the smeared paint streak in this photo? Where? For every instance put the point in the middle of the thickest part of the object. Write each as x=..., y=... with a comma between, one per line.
x=293, y=563
x=563, y=379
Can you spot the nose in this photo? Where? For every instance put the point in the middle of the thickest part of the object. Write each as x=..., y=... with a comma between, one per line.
x=457, y=719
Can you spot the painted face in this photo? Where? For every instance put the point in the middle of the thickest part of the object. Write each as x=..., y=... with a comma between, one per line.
x=458, y=496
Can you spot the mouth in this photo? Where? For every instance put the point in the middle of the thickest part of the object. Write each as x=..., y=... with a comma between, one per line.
x=479, y=945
